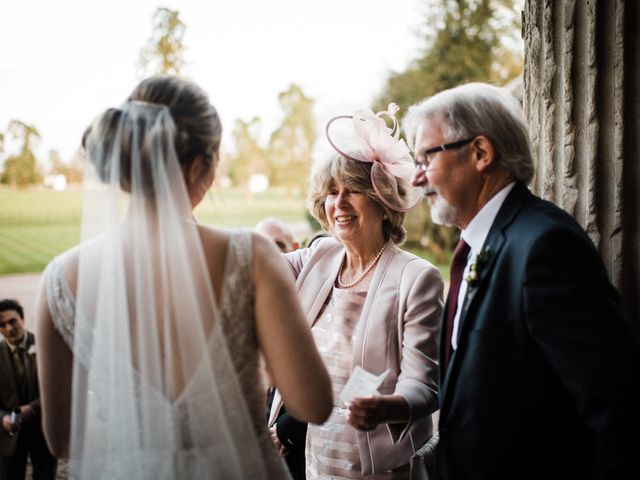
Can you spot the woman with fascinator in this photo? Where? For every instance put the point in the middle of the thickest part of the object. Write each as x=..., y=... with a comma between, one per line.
x=150, y=330
x=369, y=304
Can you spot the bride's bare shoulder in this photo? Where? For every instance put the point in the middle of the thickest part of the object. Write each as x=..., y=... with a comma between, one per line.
x=69, y=259
x=218, y=239
x=265, y=255
x=214, y=238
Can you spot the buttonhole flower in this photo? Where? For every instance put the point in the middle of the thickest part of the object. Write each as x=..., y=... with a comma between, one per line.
x=476, y=267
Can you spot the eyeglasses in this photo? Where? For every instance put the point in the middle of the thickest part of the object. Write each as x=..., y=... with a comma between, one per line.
x=429, y=152
x=11, y=322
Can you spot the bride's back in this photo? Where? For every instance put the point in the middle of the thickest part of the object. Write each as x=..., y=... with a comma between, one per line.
x=157, y=321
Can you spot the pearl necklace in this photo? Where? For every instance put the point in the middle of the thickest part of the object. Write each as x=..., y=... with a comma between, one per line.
x=364, y=274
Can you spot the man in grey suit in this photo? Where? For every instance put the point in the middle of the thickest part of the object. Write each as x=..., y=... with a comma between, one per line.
x=21, y=433
x=539, y=368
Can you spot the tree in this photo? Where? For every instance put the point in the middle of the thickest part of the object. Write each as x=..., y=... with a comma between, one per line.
x=21, y=170
x=164, y=51
x=249, y=158
x=72, y=171
x=465, y=40
x=473, y=40
x=291, y=143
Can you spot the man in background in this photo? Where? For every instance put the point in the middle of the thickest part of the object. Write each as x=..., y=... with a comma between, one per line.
x=21, y=433
x=279, y=232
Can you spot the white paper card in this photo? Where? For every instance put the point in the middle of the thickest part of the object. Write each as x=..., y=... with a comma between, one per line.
x=361, y=384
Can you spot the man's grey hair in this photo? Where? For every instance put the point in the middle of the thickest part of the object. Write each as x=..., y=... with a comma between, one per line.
x=479, y=109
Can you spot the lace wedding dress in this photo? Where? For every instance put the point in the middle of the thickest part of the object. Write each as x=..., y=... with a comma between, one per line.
x=197, y=434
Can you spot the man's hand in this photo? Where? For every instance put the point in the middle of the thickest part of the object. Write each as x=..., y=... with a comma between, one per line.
x=26, y=412
x=274, y=437
x=9, y=426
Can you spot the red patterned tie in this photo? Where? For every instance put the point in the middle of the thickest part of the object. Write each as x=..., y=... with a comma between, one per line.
x=458, y=262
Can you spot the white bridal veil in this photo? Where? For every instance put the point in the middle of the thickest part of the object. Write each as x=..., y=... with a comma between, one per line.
x=155, y=393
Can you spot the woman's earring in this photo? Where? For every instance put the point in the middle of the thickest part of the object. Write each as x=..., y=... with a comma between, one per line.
x=385, y=217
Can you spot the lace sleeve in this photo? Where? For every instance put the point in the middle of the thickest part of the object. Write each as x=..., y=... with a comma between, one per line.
x=61, y=303
x=238, y=292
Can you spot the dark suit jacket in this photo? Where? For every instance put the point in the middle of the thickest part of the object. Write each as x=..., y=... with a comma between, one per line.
x=544, y=383
x=293, y=435
x=9, y=393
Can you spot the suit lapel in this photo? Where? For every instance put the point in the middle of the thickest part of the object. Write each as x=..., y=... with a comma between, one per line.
x=32, y=376
x=442, y=375
x=370, y=303
x=8, y=377
x=491, y=249
x=328, y=271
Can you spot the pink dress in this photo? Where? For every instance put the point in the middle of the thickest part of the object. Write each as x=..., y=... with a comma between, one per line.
x=332, y=448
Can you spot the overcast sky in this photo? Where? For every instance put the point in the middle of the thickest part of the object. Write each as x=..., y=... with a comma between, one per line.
x=64, y=61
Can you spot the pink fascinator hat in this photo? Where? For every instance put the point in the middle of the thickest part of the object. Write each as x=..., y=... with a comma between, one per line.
x=365, y=137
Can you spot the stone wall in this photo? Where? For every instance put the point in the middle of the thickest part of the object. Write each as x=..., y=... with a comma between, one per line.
x=582, y=101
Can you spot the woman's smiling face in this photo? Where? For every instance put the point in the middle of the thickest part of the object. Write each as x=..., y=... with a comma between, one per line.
x=352, y=215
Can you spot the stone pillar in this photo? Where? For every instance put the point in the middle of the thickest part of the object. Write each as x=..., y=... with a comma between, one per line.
x=582, y=102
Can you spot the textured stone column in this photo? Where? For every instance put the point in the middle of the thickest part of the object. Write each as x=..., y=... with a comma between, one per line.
x=582, y=101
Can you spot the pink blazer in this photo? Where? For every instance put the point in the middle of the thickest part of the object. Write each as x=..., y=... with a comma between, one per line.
x=398, y=330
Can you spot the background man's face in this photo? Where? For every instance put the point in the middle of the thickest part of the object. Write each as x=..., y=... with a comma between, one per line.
x=278, y=236
x=11, y=326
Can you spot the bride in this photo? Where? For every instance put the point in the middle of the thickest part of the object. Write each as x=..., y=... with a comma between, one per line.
x=150, y=331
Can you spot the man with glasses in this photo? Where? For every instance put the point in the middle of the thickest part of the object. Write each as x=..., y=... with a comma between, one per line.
x=21, y=433
x=539, y=368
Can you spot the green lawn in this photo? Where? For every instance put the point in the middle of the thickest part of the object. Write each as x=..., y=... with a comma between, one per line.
x=36, y=225
x=233, y=208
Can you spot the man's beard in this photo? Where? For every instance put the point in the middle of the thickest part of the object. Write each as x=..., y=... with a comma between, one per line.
x=442, y=212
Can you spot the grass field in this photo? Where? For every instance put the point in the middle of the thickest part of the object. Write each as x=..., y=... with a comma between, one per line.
x=36, y=225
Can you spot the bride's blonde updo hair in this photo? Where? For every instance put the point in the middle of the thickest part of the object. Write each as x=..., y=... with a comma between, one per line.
x=193, y=124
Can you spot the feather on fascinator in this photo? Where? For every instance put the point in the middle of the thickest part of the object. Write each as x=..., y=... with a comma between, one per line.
x=367, y=138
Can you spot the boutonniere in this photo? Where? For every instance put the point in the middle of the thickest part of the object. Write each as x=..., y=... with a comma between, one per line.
x=477, y=266
x=32, y=350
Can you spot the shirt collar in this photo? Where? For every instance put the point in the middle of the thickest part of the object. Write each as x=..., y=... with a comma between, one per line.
x=478, y=229
x=22, y=344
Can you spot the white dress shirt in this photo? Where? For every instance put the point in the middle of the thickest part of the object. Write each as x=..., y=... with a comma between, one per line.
x=475, y=235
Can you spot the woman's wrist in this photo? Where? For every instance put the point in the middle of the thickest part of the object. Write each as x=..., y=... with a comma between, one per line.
x=396, y=409
x=367, y=413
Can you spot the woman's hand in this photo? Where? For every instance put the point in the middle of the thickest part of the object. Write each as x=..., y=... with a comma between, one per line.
x=366, y=413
